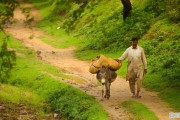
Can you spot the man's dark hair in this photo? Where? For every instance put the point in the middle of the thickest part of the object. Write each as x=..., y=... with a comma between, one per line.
x=135, y=38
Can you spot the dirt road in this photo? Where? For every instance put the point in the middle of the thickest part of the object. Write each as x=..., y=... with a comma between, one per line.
x=64, y=58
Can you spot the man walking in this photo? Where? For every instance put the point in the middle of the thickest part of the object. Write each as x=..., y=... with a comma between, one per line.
x=137, y=66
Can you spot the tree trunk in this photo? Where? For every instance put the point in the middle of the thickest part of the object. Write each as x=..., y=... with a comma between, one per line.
x=127, y=8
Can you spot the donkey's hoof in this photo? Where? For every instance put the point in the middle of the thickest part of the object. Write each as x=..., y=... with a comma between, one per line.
x=106, y=96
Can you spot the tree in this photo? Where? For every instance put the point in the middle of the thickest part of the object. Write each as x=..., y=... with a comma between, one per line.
x=127, y=8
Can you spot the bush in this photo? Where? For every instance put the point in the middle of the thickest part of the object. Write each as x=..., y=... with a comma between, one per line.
x=168, y=8
x=75, y=104
x=162, y=48
x=7, y=61
x=173, y=8
x=157, y=7
x=110, y=33
x=6, y=10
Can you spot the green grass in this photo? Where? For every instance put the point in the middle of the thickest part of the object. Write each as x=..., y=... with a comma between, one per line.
x=139, y=111
x=46, y=7
x=61, y=39
x=14, y=94
x=172, y=97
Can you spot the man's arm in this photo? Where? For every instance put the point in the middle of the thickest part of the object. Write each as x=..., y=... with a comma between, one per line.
x=123, y=56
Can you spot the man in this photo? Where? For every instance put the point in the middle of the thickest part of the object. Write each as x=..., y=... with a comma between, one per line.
x=137, y=66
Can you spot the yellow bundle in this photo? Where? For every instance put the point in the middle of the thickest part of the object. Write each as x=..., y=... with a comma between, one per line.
x=100, y=61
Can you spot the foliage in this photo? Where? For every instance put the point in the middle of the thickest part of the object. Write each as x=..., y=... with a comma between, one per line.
x=110, y=33
x=157, y=7
x=6, y=10
x=7, y=57
x=173, y=8
x=7, y=61
x=164, y=60
x=168, y=8
x=83, y=110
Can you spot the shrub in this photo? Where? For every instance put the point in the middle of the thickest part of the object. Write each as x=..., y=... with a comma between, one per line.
x=7, y=61
x=173, y=8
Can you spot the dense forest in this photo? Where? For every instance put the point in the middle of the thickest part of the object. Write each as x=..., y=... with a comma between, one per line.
x=97, y=27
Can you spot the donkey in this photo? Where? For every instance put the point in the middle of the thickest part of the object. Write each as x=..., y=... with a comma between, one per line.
x=106, y=76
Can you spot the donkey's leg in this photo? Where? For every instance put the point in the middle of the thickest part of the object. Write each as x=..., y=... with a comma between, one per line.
x=108, y=92
x=107, y=95
x=103, y=90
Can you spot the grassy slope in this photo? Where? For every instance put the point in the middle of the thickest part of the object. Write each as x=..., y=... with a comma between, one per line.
x=163, y=61
x=48, y=93
x=11, y=94
x=160, y=37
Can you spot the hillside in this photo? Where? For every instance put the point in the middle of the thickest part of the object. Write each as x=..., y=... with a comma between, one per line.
x=37, y=77
x=99, y=28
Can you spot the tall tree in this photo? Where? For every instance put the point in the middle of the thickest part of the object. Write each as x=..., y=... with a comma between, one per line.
x=127, y=8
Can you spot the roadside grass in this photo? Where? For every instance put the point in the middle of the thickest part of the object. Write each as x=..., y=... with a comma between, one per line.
x=45, y=6
x=171, y=96
x=139, y=111
x=16, y=95
x=13, y=94
x=28, y=76
x=62, y=98
x=62, y=40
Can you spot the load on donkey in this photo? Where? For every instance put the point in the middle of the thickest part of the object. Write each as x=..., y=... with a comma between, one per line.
x=105, y=70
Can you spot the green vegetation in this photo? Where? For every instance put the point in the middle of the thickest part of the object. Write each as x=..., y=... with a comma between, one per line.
x=7, y=61
x=7, y=57
x=139, y=111
x=6, y=11
x=14, y=94
x=29, y=75
x=99, y=29
x=96, y=27
x=29, y=83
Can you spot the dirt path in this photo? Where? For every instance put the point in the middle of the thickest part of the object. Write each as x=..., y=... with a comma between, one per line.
x=64, y=59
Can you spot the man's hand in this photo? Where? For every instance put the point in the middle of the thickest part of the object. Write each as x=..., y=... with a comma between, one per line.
x=119, y=61
x=145, y=71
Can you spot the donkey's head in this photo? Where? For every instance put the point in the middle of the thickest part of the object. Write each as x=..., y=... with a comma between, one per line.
x=102, y=75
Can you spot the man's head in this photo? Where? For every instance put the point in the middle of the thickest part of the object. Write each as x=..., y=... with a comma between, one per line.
x=134, y=42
